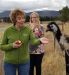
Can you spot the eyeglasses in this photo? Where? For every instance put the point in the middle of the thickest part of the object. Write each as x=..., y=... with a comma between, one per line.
x=34, y=17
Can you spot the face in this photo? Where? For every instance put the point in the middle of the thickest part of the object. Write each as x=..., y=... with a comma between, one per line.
x=34, y=18
x=20, y=20
x=52, y=27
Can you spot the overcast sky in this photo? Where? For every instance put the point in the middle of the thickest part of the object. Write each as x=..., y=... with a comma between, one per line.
x=31, y=5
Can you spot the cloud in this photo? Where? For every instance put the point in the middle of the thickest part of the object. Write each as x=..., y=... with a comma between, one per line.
x=67, y=2
x=31, y=5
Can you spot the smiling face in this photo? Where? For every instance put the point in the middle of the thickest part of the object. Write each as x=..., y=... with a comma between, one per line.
x=34, y=17
x=20, y=20
x=17, y=17
x=52, y=27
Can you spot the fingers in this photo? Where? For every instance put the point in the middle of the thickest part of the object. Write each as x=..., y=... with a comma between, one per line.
x=17, y=44
x=44, y=40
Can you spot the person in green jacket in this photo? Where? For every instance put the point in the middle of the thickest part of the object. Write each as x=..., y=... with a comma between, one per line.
x=15, y=44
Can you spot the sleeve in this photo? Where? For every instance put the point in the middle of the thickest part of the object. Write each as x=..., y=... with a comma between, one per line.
x=33, y=39
x=42, y=30
x=4, y=44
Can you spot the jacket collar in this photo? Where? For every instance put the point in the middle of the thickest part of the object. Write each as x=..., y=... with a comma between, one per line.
x=16, y=29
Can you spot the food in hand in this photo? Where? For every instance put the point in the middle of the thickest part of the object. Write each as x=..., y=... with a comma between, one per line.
x=18, y=42
x=37, y=32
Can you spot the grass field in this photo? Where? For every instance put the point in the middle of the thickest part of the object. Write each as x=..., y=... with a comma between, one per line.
x=53, y=61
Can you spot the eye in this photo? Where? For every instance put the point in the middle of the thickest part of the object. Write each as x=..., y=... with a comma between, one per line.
x=51, y=26
x=54, y=28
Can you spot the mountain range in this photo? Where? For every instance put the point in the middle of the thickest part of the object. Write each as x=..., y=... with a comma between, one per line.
x=48, y=13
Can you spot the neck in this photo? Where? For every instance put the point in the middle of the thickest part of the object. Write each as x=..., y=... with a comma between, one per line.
x=58, y=35
x=17, y=27
x=35, y=25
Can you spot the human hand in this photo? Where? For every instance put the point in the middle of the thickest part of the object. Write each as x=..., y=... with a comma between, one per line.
x=44, y=40
x=17, y=44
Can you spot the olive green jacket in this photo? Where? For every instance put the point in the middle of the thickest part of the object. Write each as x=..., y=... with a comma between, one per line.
x=21, y=54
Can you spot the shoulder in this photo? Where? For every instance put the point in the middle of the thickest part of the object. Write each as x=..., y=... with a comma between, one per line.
x=41, y=25
x=8, y=29
x=27, y=27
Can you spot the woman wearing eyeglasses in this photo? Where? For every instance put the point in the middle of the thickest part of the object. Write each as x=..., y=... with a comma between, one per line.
x=36, y=52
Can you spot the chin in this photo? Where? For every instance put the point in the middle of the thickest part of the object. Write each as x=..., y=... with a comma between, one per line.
x=21, y=25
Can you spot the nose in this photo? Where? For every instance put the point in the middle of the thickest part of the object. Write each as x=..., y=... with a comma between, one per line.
x=22, y=20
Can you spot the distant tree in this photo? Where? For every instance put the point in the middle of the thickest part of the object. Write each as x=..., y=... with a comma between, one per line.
x=64, y=15
x=27, y=18
x=6, y=19
x=45, y=18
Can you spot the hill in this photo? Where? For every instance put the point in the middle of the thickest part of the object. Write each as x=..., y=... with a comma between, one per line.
x=48, y=13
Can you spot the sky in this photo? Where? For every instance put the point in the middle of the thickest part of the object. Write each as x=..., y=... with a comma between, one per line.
x=33, y=5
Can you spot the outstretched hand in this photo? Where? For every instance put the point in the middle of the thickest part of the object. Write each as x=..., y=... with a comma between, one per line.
x=44, y=40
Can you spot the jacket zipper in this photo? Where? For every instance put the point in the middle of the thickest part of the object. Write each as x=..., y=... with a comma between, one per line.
x=19, y=50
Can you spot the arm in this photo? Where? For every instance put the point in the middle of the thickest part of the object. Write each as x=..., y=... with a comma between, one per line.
x=33, y=39
x=4, y=45
x=42, y=30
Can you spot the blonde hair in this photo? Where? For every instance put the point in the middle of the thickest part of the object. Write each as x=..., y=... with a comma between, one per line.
x=38, y=19
x=14, y=14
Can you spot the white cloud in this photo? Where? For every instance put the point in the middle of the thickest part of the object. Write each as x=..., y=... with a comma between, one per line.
x=18, y=0
x=31, y=5
x=67, y=3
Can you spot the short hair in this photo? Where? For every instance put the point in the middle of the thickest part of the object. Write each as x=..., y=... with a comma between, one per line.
x=15, y=13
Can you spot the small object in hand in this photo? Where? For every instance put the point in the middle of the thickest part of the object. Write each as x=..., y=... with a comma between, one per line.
x=18, y=42
x=37, y=32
